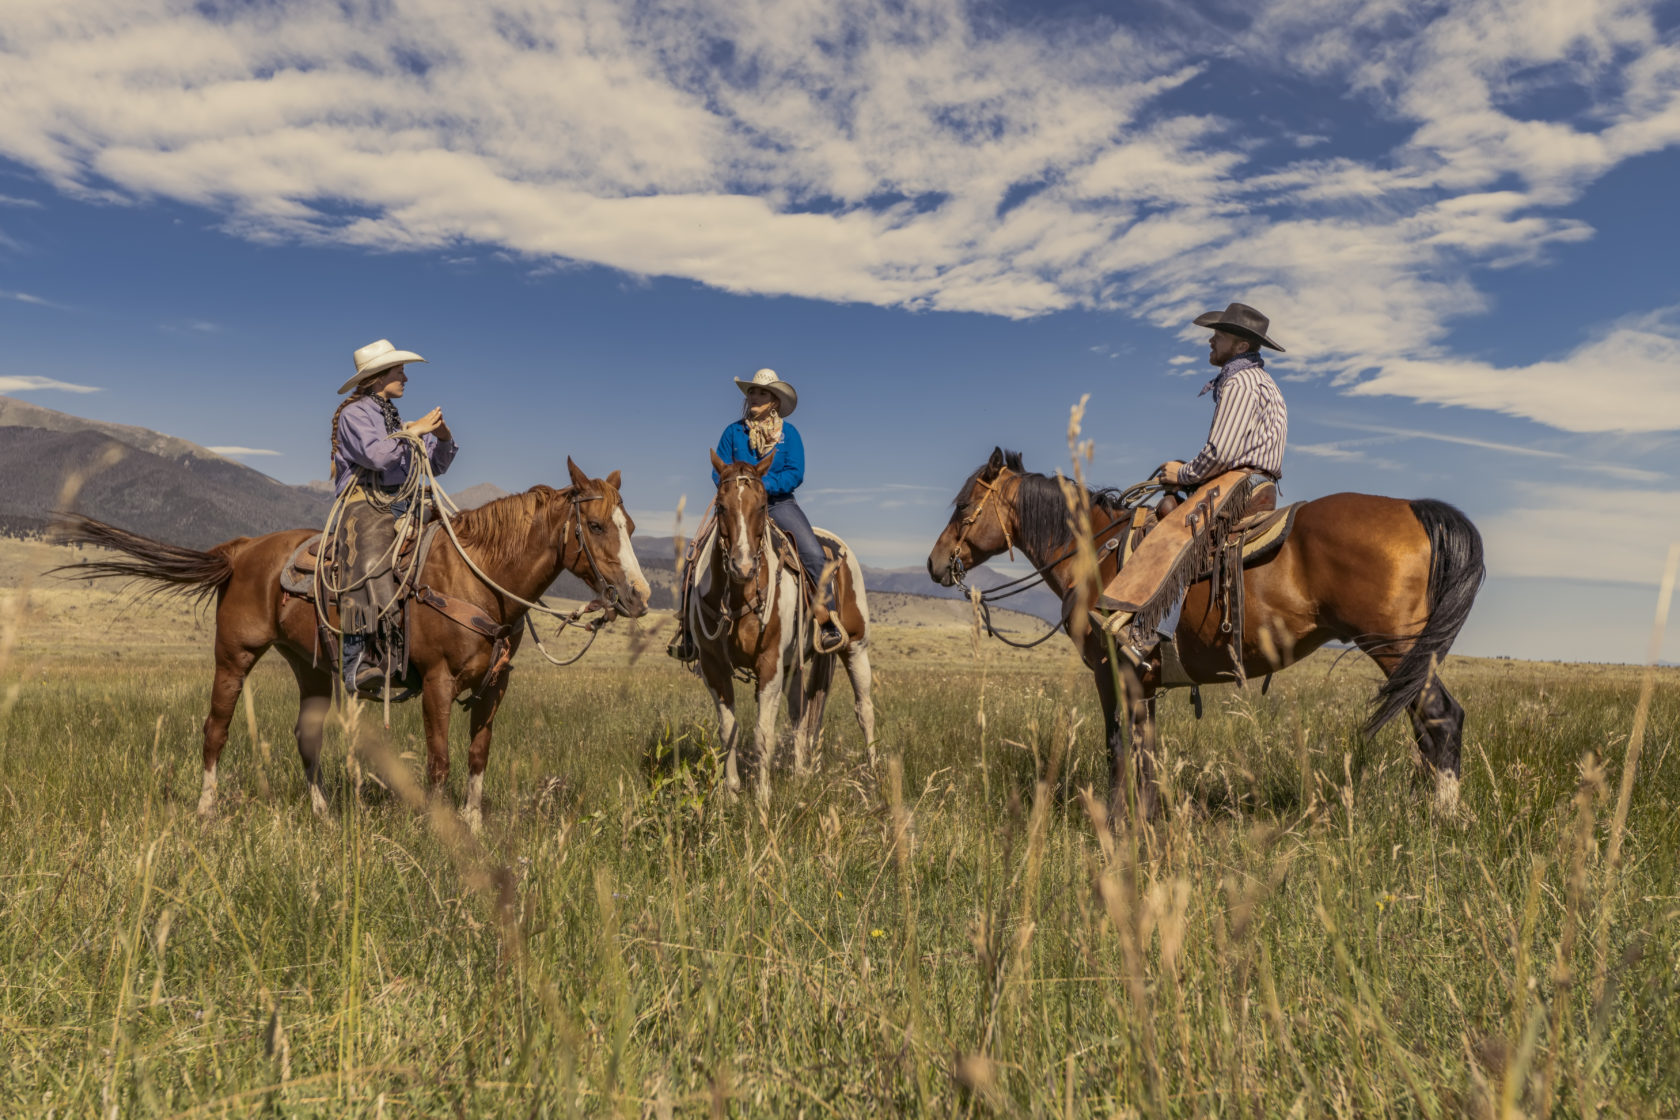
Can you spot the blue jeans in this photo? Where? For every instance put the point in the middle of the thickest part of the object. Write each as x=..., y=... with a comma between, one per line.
x=785, y=512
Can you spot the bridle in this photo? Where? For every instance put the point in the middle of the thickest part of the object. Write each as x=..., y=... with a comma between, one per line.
x=955, y=565
x=757, y=586
x=1130, y=499
x=608, y=590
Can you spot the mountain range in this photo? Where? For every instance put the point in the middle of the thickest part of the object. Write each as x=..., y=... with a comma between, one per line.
x=180, y=492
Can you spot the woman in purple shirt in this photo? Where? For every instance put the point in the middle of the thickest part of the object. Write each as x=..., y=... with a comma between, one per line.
x=369, y=467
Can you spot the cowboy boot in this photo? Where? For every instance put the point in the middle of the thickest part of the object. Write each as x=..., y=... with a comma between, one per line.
x=826, y=636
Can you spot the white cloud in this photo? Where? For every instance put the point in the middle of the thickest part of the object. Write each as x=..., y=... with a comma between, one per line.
x=234, y=452
x=27, y=203
x=1623, y=381
x=924, y=154
x=29, y=384
x=1584, y=533
x=32, y=300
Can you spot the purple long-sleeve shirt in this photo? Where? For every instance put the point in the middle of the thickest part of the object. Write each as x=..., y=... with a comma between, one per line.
x=362, y=442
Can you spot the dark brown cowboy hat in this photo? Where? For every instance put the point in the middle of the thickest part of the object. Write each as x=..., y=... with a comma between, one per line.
x=1240, y=319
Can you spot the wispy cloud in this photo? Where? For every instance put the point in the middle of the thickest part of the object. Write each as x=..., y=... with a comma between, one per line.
x=27, y=203
x=925, y=154
x=32, y=300
x=234, y=452
x=29, y=384
x=1575, y=461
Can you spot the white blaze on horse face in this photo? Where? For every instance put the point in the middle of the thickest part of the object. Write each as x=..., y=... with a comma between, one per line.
x=627, y=562
x=741, y=547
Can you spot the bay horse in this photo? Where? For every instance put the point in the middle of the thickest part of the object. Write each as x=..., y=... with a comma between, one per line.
x=747, y=613
x=1396, y=578
x=522, y=542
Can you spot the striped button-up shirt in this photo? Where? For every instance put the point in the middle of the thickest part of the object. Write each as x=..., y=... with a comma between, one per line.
x=1250, y=423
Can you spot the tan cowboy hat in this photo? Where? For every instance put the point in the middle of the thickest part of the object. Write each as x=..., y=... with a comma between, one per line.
x=767, y=379
x=1240, y=319
x=375, y=358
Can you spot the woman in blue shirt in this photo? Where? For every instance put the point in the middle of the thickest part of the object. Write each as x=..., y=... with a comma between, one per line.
x=762, y=427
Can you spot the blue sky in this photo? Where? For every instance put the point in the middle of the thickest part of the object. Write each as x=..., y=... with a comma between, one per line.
x=943, y=222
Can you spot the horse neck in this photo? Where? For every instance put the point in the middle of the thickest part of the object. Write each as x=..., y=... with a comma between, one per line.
x=538, y=562
x=1058, y=577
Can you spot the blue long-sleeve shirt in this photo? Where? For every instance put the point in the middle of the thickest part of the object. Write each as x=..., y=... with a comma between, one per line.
x=786, y=473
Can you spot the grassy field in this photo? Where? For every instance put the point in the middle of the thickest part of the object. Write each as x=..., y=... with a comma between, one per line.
x=946, y=932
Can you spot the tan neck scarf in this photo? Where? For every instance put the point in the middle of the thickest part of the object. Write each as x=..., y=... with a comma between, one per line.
x=763, y=435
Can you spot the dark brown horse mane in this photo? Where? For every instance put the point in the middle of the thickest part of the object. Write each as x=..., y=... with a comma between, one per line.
x=499, y=529
x=1041, y=512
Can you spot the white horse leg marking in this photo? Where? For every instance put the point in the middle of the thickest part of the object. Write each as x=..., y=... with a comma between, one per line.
x=473, y=814
x=1446, y=794
x=857, y=668
x=627, y=562
x=317, y=799
x=207, y=794
x=728, y=734
x=764, y=735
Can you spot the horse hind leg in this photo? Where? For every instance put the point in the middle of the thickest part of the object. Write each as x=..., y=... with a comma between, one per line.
x=807, y=699
x=856, y=660
x=1438, y=726
x=315, y=689
x=233, y=665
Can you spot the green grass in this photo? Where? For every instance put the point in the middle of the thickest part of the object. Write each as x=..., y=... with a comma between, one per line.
x=945, y=933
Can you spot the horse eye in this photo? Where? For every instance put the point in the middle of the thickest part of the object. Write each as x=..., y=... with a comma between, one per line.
x=597, y=527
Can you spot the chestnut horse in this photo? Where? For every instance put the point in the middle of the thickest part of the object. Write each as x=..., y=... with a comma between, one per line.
x=522, y=542
x=1394, y=577
x=746, y=613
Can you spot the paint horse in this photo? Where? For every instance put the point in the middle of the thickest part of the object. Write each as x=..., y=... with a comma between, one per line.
x=747, y=614
x=1396, y=578
x=522, y=542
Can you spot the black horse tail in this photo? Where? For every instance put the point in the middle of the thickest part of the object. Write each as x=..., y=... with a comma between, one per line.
x=171, y=569
x=1456, y=572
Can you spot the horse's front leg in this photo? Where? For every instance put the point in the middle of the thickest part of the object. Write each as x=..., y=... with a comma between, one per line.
x=764, y=734
x=1129, y=721
x=437, y=693
x=720, y=683
x=482, y=716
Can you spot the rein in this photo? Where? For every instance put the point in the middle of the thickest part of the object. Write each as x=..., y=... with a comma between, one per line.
x=422, y=484
x=1130, y=499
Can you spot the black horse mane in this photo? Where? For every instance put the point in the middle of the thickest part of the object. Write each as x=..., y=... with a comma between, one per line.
x=1041, y=512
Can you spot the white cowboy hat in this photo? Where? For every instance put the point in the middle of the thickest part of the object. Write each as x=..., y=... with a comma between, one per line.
x=767, y=379
x=377, y=357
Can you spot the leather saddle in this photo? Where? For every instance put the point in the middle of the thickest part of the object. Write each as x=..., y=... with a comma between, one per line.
x=297, y=579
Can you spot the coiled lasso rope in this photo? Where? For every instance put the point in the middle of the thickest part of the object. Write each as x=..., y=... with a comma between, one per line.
x=418, y=488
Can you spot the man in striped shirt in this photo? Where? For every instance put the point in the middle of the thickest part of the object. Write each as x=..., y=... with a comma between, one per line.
x=1250, y=428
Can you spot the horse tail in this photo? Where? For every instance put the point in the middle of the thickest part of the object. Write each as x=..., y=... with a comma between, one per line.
x=1456, y=572
x=171, y=569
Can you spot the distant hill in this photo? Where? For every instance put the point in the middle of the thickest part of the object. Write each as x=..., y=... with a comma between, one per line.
x=179, y=492
x=138, y=479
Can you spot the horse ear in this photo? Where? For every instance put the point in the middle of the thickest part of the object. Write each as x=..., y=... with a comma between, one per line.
x=1012, y=460
x=995, y=463
x=765, y=464
x=579, y=479
x=717, y=463
x=613, y=480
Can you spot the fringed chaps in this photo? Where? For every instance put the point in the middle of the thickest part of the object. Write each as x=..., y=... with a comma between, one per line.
x=1178, y=550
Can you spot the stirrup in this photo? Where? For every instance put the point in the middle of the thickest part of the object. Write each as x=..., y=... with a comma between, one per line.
x=836, y=644
x=1173, y=673
x=682, y=648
